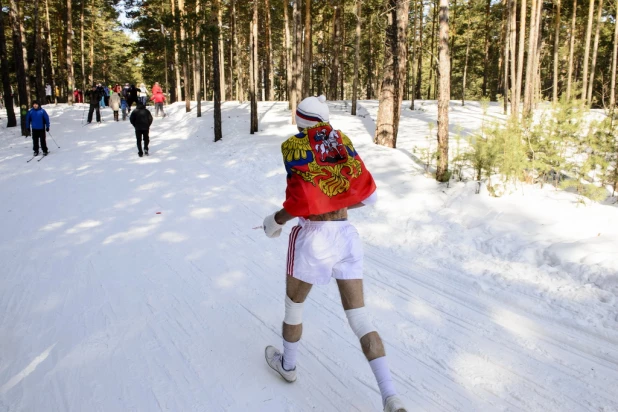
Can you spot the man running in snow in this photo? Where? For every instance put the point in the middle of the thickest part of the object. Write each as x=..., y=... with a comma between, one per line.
x=39, y=120
x=141, y=119
x=324, y=244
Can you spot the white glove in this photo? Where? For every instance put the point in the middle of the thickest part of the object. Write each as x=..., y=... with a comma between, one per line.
x=271, y=227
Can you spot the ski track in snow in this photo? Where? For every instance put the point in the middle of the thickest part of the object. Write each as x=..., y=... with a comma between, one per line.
x=484, y=304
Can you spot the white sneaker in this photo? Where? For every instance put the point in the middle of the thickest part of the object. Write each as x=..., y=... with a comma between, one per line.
x=274, y=358
x=394, y=404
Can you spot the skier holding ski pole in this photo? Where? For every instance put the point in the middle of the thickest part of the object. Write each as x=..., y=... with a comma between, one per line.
x=39, y=120
x=322, y=212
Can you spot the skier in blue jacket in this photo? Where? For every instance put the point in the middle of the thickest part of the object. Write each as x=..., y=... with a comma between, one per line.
x=38, y=119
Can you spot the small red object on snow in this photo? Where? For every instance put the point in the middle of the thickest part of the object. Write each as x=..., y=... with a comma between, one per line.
x=158, y=213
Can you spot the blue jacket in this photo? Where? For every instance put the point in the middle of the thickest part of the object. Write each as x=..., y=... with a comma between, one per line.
x=38, y=118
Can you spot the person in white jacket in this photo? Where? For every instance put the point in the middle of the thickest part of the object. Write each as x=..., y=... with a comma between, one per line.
x=48, y=93
x=143, y=94
x=114, y=103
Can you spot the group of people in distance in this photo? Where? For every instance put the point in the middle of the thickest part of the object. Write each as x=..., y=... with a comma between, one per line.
x=121, y=99
x=117, y=98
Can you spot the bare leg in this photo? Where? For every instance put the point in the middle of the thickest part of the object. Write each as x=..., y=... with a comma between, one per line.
x=297, y=290
x=351, y=292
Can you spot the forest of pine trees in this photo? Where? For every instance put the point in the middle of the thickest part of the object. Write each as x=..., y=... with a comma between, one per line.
x=518, y=52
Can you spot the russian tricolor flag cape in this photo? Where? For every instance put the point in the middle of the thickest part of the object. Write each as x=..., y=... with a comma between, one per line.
x=324, y=172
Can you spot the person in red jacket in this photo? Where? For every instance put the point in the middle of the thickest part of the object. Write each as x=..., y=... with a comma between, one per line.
x=76, y=96
x=325, y=178
x=158, y=99
x=156, y=88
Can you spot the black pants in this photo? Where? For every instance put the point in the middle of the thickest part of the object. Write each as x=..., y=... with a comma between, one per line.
x=36, y=135
x=116, y=115
x=159, y=106
x=139, y=134
x=92, y=109
x=129, y=104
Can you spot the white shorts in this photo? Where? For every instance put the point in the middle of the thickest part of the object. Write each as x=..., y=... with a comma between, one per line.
x=320, y=250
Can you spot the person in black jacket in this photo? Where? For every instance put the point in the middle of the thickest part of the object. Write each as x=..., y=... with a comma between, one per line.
x=132, y=96
x=95, y=97
x=141, y=119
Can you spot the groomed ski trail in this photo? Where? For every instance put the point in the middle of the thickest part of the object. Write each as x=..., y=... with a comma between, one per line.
x=107, y=305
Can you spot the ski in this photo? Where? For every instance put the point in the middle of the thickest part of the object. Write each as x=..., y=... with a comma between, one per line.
x=42, y=157
x=28, y=161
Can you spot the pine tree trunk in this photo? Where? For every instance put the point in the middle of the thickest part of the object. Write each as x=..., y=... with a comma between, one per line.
x=453, y=28
x=403, y=8
x=465, y=72
x=486, y=57
x=288, y=59
x=391, y=91
x=531, y=65
x=419, y=71
x=385, y=132
x=432, y=54
x=6, y=80
x=21, y=65
x=412, y=59
x=612, y=96
x=235, y=58
x=184, y=55
x=175, y=40
x=307, y=49
x=198, y=62
x=369, y=67
x=221, y=52
x=81, y=46
x=70, y=70
x=292, y=63
x=571, y=50
x=508, y=10
x=520, y=58
x=38, y=50
x=92, y=14
x=298, y=56
x=595, y=50
x=356, y=57
x=216, y=75
x=268, y=58
x=442, y=173
x=514, y=52
x=587, y=50
x=556, y=49
x=51, y=53
x=336, y=49
x=254, y=68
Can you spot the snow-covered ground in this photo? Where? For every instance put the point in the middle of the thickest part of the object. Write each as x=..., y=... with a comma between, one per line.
x=140, y=284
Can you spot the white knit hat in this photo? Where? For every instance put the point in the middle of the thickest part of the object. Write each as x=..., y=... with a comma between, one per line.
x=311, y=111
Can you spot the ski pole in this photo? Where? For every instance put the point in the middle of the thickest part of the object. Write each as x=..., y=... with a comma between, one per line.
x=50, y=135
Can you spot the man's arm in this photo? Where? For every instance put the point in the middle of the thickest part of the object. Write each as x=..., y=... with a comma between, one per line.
x=282, y=217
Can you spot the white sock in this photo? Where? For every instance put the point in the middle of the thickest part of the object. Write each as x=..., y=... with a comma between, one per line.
x=380, y=369
x=289, y=354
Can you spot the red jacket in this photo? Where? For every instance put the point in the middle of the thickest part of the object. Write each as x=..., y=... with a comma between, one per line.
x=156, y=89
x=158, y=97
